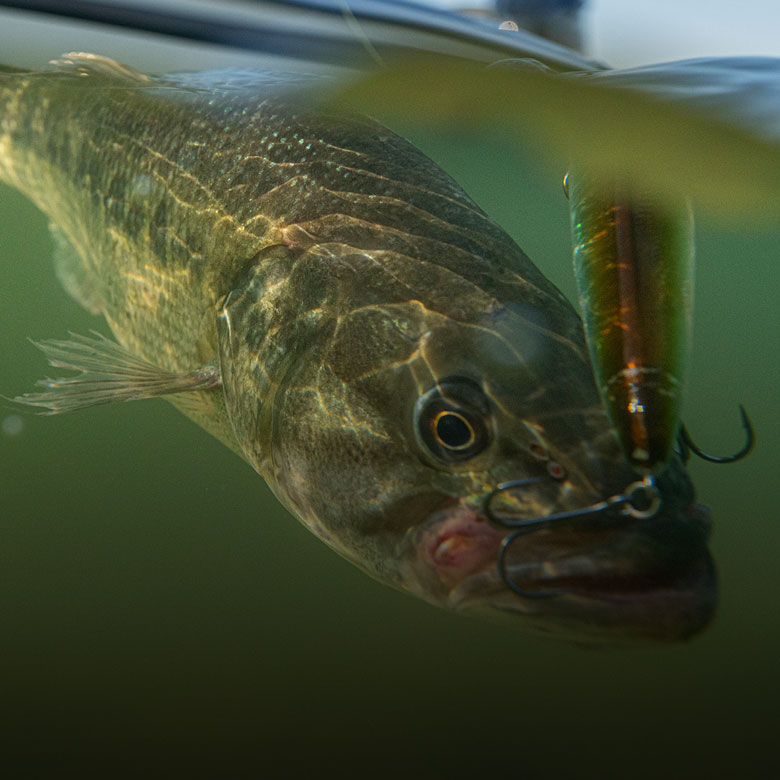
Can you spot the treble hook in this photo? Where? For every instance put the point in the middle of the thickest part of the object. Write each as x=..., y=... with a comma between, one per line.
x=686, y=444
x=630, y=503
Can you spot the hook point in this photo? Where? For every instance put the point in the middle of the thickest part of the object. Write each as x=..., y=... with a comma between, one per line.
x=687, y=445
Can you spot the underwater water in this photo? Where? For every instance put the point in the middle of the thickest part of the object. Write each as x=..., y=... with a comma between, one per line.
x=159, y=607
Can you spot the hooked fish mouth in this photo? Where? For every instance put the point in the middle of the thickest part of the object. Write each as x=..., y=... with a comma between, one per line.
x=649, y=579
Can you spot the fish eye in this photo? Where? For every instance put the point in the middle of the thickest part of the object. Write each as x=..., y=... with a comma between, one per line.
x=452, y=430
x=451, y=420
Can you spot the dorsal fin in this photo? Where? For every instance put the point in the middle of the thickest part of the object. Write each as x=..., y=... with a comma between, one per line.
x=84, y=64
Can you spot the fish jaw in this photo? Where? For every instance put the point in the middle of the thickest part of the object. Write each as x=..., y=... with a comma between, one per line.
x=610, y=582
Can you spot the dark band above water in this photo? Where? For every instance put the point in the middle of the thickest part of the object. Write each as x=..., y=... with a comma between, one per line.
x=291, y=27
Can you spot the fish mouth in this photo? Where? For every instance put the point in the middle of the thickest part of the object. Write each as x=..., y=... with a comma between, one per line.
x=605, y=580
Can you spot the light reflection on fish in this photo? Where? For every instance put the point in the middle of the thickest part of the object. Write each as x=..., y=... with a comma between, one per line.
x=326, y=301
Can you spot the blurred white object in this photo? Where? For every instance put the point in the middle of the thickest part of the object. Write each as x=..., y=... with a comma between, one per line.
x=12, y=425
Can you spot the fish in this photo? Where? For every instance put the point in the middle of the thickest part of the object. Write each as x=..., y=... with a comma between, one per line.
x=326, y=301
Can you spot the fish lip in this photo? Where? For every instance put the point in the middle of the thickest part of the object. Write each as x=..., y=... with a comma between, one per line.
x=672, y=613
x=663, y=598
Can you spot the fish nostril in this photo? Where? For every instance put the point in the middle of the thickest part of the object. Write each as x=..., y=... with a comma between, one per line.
x=555, y=470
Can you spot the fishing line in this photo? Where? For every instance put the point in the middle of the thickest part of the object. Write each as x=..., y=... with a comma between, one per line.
x=357, y=29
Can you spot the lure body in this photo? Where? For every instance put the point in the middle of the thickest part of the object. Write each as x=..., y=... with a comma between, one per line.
x=633, y=262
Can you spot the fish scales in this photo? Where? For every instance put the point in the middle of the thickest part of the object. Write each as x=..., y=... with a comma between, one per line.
x=197, y=208
x=167, y=221
x=324, y=299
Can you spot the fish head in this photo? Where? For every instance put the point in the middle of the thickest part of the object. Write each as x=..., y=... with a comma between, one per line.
x=387, y=427
x=532, y=420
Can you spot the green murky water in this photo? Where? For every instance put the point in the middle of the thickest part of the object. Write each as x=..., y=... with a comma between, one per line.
x=158, y=606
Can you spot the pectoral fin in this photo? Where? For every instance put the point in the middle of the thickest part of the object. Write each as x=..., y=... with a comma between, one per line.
x=109, y=373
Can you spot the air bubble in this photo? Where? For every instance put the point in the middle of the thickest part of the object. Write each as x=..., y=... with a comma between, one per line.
x=12, y=425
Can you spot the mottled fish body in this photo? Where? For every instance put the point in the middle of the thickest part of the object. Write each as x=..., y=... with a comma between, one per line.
x=325, y=300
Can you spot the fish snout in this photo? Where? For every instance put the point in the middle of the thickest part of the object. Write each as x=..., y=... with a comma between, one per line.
x=615, y=576
x=601, y=575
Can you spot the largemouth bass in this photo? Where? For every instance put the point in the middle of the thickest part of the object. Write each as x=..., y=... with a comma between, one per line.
x=325, y=300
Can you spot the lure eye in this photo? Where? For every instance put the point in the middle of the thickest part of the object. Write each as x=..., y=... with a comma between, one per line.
x=451, y=420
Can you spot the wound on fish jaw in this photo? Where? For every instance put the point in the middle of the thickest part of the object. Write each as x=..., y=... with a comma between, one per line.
x=109, y=373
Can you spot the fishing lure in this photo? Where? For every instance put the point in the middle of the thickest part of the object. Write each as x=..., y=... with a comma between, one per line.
x=633, y=263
